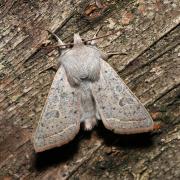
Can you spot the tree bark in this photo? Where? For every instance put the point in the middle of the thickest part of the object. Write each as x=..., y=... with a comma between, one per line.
x=149, y=34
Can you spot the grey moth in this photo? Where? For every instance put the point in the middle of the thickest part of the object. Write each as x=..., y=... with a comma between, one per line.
x=86, y=89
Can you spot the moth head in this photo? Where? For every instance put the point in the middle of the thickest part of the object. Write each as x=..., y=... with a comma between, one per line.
x=78, y=41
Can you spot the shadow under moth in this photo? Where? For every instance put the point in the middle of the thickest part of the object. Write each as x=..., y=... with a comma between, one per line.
x=86, y=89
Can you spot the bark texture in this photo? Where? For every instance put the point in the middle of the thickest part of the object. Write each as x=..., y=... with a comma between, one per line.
x=150, y=35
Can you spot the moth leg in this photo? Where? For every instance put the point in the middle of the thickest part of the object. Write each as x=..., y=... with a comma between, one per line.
x=106, y=56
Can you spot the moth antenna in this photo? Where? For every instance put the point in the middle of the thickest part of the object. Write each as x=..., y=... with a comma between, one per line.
x=102, y=36
x=93, y=42
x=78, y=40
x=60, y=43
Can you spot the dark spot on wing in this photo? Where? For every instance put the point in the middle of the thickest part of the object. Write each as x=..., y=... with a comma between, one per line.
x=119, y=88
x=121, y=102
x=52, y=114
x=42, y=124
x=130, y=101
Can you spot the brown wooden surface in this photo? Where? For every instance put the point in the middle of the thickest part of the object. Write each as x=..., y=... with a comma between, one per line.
x=150, y=35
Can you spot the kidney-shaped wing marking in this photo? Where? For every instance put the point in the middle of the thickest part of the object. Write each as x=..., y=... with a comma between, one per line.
x=60, y=118
x=119, y=108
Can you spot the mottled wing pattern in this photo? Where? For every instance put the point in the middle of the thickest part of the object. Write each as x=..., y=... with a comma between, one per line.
x=119, y=108
x=60, y=118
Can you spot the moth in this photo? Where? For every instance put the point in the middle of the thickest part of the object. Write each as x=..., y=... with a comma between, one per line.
x=86, y=89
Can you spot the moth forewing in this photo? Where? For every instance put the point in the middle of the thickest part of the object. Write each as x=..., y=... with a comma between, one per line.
x=60, y=118
x=119, y=108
